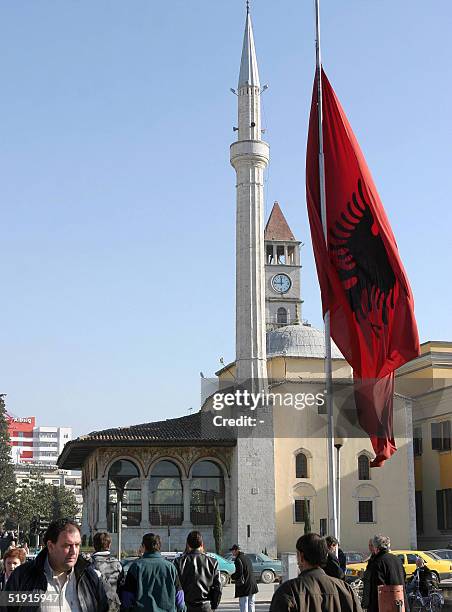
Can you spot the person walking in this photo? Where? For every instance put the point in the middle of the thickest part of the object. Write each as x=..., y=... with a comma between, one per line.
x=332, y=567
x=422, y=579
x=366, y=577
x=69, y=582
x=108, y=567
x=312, y=590
x=245, y=582
x=11, y=559
x=199, y=576
x=152, y=583
x=385, y=569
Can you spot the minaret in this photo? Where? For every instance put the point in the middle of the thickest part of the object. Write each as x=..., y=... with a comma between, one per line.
x=249, y=156
x=253, y=520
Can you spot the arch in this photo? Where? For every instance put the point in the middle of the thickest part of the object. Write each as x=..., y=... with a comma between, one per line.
x=213, y=459
x=302, y=465
x=281, y=316
x=363, y=467
x=175, y=460
x=166, y=500
x=124, y=457
x=367, y=491
x=207, y=492
x=304, y=489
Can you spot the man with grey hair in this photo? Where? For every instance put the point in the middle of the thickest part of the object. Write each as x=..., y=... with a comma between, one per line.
x=385, y=569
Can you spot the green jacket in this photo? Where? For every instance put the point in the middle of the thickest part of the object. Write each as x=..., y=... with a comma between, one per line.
x=152, y=584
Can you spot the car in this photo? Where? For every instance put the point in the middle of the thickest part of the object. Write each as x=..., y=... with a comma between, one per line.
x=226, y=567
x=265, y=569
x=440, y=568
x=354, y=557
x=442, y=553
x=127, y=562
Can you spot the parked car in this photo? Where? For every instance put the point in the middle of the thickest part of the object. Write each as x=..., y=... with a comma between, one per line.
x=127, y=562
x=226, y=567
x=442, y=553
x=440, y=568
x=265, y=569
x=354, y=557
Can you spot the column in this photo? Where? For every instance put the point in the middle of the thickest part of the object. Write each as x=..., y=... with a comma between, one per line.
x=227, y=500
x=187, y=495
x=144, y=503
x=102, y=504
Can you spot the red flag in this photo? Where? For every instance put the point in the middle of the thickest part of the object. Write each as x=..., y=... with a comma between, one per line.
x=362, y=280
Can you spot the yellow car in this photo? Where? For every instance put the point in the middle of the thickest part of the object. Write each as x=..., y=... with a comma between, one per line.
x=440, y=568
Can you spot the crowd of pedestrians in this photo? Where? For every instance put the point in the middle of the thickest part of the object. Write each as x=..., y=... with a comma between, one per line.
x=70, y=582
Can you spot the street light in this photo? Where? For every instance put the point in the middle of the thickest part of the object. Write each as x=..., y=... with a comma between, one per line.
x=338, y=444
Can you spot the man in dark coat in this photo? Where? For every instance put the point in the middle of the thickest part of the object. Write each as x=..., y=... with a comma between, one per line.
x=313, y=590
x=385, y=569
x=199, y=576
x=245, y=582
x=332, y=567
x=61, y=574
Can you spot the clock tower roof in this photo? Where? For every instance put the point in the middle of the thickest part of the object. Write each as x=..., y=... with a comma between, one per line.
x=277, y=227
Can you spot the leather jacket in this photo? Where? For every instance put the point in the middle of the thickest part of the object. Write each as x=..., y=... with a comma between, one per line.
x=200, y=579
x=31, y=577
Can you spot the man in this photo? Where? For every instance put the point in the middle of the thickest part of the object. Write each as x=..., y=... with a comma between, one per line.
x=151, y=583
x=245, y=582
x=332, y=567
x=385, y=569
x=422, y=579
x=108, y=567
x=366, y=576
x=313, y=590
x=199, y=576
x=70, y=583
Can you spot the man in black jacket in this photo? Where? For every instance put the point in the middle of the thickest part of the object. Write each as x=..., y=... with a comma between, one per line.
x=245, y=582
x=64, y=579
x=199, y=576
x=332, y=567
x=385, y=569
x=313, y=590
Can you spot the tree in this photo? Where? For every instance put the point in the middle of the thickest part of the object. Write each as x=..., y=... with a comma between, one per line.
x=64, y=503
x=307, y=518
x=217, y=528
x=7, y=476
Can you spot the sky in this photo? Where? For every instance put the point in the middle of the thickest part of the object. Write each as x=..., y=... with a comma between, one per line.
x=117, y=198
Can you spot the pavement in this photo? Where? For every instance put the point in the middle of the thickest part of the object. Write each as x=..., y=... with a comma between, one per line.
x=264, y=596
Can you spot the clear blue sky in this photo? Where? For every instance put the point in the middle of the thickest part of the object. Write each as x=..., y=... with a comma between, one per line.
x=117, y=198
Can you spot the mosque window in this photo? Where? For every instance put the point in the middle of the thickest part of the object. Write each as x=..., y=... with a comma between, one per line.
x=365, y=511
x=207, y=491
x=301, y=466
x=281, y=316
x=124, y=481
x=363, y=467
x=166, y=505
x=302, y=510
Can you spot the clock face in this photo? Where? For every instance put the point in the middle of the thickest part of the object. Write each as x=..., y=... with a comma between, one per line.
x=281, y=283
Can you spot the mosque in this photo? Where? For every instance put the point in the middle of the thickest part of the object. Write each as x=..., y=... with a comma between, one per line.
x=175, y=475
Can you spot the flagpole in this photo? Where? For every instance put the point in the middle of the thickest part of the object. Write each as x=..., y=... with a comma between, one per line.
x=332, y=500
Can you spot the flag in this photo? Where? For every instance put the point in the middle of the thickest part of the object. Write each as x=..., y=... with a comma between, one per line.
x=362, y=280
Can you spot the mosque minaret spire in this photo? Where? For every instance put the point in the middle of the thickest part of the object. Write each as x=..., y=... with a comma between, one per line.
x=249, y=157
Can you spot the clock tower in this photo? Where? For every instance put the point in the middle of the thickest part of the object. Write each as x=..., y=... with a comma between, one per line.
x=282, y=272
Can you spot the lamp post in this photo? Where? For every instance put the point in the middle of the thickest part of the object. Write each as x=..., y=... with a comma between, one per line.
x=338, y=444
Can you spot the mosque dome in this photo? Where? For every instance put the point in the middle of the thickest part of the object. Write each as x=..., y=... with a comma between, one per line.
x=299, y=341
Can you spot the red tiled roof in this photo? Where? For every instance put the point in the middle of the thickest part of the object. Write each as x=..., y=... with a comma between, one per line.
x=277, y=227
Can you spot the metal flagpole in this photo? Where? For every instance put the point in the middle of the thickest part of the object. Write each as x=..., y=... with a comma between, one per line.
x=332, y=501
